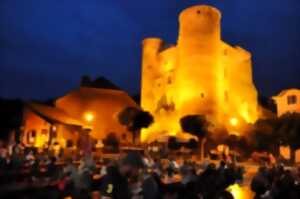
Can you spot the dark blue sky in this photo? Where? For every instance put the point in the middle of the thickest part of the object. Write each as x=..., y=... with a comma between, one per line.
x=47, y=45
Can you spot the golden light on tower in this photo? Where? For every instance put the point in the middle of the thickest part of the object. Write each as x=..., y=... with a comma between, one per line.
x=202, y=75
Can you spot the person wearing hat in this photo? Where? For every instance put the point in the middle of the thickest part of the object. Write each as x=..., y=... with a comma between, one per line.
x=115, y=184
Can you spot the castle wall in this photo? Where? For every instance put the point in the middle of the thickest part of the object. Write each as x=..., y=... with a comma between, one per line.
x=198, y=51
x=150, y=71
x=240, y=95
x=201, y=75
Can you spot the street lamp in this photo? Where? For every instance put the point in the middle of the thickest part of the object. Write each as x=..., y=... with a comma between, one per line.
x=89, y=117
x=234, y=121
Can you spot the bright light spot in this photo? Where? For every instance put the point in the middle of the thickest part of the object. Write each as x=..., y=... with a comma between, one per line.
x=89, y=117
x=236, y=191
x=234, y=133
x=234, y=121
x=99, y=144
x=172, y=133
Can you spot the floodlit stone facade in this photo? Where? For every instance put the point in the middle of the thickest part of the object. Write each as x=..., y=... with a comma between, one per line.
x=200, y=75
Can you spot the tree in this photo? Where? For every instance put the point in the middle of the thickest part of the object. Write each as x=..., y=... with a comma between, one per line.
x=191, y=144
x=263, y=136
x=173, y=143
x=232, y=141
x=196, y=125
x=238, y=144
x=289, y=131
x=111, y=142
x=135, y=119
x=269, y=134
x=219, y=137
x=10, y=118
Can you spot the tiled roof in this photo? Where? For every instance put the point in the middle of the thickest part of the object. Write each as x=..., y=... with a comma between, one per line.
x=53, y=114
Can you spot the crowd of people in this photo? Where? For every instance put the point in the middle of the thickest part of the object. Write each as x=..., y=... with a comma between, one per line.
x=276, y=182
x=30, y=173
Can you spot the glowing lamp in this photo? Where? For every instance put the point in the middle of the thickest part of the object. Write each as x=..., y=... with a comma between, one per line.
x=236, y=191
x=99, y=144
x=89, y=117
x=234, y=121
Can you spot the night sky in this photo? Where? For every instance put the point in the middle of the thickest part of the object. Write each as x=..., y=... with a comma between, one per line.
x=47, y=45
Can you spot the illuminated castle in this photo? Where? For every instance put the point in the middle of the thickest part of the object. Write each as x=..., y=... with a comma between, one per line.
x=200, y=75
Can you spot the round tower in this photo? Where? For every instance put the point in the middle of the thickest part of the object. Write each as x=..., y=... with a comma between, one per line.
x=198, y=54
x=150, y=69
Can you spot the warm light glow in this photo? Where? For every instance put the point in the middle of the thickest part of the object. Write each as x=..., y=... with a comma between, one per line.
x=234, y=121
x=99, y=144
x=240, y=193
x=236, y=191
x=89, y=117
x=41, y=140
x=235, y=133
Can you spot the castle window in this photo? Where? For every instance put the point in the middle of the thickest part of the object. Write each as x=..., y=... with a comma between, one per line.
x=202, y=95
x=292, y=99
x=169, y=80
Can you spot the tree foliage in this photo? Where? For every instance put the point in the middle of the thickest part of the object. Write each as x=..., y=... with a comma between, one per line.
x=135, y=119
x=219, y=136
x=269, y=134
x=289, y=130
x=238, y=143
x=126, y=116
x=173, y=143
x=10, y=117
x=196, y=125
x=142, y=119
x=264, y=136
x=191, y=144
x=232, y=141
x=111, y=140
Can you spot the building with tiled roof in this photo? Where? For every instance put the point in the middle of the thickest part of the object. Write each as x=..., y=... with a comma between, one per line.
x=92, y=108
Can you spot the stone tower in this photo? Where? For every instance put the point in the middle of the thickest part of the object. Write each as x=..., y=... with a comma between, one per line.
x=200, y=75
x=150, y=70
x=198, y=54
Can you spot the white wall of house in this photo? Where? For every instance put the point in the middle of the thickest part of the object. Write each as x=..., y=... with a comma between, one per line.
x=288, y=101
